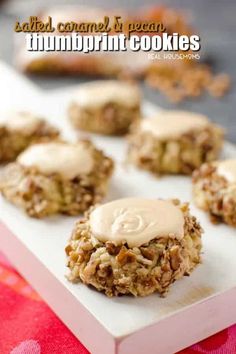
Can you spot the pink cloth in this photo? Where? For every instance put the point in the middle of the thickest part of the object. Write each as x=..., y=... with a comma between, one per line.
x=28, y=326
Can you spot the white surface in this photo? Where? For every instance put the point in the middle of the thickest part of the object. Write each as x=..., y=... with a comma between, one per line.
x=45, y=241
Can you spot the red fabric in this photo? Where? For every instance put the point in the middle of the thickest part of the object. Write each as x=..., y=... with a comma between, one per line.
x=28, y=326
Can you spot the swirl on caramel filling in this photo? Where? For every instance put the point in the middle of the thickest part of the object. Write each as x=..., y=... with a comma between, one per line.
x=136, y=221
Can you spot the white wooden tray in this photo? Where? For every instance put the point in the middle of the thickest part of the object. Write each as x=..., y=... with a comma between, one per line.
x=196, y=306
